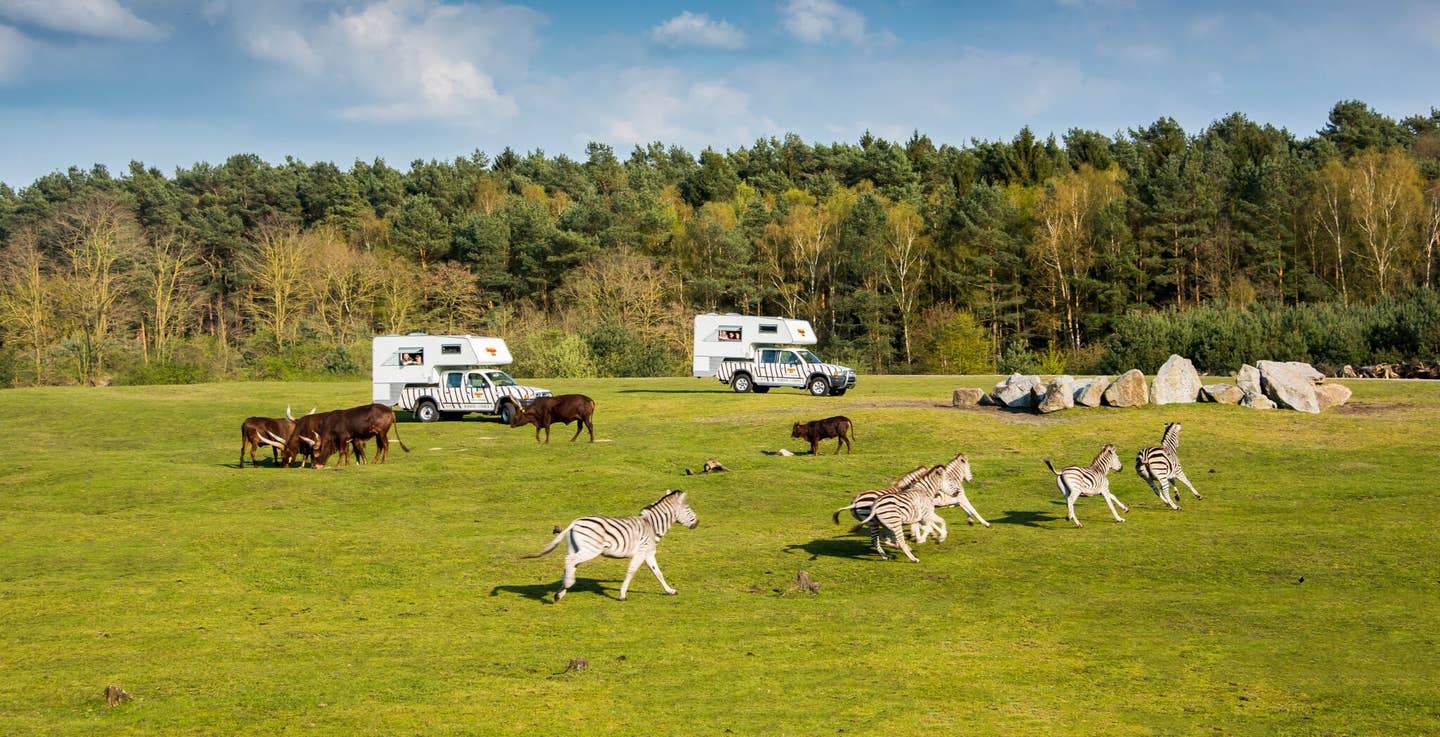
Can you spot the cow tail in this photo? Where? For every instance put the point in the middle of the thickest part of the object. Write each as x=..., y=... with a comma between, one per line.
x=552, y=544
x=852, y=430
x=396, y=427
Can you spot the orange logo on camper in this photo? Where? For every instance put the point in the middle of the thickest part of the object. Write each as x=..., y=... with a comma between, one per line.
x=491, y=351
x=801, y=331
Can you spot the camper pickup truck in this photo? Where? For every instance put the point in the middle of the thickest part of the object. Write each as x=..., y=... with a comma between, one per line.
x=446, y=376
x=757, y=353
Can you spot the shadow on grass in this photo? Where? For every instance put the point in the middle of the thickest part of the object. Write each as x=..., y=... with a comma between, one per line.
x=854, y=548
x=546, y=591
x=1024, y=518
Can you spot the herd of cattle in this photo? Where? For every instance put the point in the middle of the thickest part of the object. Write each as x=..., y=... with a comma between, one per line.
x=315, y=437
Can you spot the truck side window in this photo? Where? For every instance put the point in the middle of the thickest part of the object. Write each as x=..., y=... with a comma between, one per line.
x=791, y=359
x=770, y=356
x=477, y=381
x=453, y=380
x=450, y=349
x=770, y=329
x=729, y=334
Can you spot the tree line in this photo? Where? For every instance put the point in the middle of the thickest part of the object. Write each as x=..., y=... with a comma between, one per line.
x=908, y=256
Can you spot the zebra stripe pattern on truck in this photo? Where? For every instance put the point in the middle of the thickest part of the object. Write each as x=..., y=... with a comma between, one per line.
x=1091, y=480
x=622, y=537
x=1160, y=467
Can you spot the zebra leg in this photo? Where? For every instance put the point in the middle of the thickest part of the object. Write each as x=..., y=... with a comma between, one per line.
x=877, y=539
x=920, y=531
x=655, y=569
x=937, y=524
x=905, y=547
x=1172, y=493
x=573, y=558
x=1181, y=476
x=970, y=511
x=1111, y=500
x=1161, y=489
x=629, y=574
x=1070, y=505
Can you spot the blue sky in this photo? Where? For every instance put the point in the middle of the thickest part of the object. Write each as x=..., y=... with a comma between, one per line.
x=173, y=82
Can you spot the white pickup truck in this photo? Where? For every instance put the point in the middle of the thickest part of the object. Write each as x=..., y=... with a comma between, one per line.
x=446, y=376
x=757, y=353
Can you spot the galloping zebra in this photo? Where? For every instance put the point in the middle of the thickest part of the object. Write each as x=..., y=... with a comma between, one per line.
x=913, y=505
x=622, y=537
x=1078, y=481
x=860, y=505
x=1160, y=467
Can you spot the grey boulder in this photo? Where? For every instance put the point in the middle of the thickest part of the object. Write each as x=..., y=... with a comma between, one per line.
x=1129, y=390
x=1177, y=382
x=1289, y=388
x=1223, y=393
x=1059, y=394
x=1088, y=393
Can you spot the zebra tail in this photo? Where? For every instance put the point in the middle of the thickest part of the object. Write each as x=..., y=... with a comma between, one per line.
x=1052, y=468
x=552, y=545
x=835, y=518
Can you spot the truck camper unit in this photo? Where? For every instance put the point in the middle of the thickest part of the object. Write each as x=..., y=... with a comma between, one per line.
x=756, y=353
x=444, y=376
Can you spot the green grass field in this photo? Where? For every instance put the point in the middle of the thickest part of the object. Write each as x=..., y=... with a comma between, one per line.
x=388, y=600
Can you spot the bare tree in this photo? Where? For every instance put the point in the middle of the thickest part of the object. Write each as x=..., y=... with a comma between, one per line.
x=453, y=297
x=1432, y=240
x=27, y=302
x=1385, y=201
x=1067, y=211
x=398, y=294
x=1331, y=187
x=904, y=263
x=343, y=284
x=623, y=288
x=167, y=283
x=98, y=240
x=277, y=268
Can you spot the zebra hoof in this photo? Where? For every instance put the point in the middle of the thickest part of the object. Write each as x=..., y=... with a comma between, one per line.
x=672, y=592
x=1119, y=519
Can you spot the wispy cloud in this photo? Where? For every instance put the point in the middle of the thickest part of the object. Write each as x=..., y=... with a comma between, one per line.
x=100, y=18
x=14, y=53
x=650, y=104
x=697, y=30
x=823, y=21
x=1204, y=26
x=395, y=60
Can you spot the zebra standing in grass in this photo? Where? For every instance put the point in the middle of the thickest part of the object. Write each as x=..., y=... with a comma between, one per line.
x=622, y=537
x=1091, y=480
x=1160, y=467
x=913, y=505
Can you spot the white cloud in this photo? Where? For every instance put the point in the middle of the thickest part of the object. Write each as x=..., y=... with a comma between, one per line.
x=102, y=18
x=663, y=105
x=15, y=52
x=819, y=21
x=692, y=29
x=393, y=60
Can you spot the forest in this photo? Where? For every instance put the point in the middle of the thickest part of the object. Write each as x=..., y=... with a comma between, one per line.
x=1088, y=252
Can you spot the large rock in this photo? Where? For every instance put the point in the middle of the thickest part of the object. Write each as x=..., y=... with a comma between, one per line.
x=1288, y=387
x=1331, y=395
x=966, y=396
x=1015, y=391
x=1088, y=393
x=1223, y=393
x=1256, y=400
x=1059, y=394
x=1128, y=390
x=1306, y=371
x=1248, y=379
x=1177, y=382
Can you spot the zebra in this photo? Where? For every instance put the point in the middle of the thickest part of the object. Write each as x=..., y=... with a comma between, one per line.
x=622, y=537
x=1160, y=467
x=1091, y=480
x=860, y=505
x=913, y=505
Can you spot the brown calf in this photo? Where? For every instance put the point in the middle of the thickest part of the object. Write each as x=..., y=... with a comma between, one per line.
x=566, y=408
x=831, y=427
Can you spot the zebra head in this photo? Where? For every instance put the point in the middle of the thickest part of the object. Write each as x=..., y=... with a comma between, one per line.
x=959, y=468
x=1171, y=437
x=674, y=506
x=1109, y=458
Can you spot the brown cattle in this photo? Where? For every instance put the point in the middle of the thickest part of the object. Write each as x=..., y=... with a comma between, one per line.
x=254, y=432
x=566, y=408
x=353, y=427
x=817, y=430
x=302, y=438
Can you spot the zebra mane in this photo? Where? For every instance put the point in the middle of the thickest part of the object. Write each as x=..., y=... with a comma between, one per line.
x=1171, y=434
x=663, y=500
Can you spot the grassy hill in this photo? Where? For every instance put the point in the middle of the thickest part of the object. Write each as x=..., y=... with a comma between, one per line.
x=391, y=599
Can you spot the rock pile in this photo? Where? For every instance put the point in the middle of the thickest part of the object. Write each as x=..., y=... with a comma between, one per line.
x=1267, y=385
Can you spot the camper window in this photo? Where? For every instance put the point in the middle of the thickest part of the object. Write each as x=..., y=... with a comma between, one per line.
x=729, y=334
x=453, y=380
x=770, y=329
x=411, y=356
x=450, y=349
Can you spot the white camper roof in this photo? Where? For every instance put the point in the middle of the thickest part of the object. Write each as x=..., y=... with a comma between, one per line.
x=416, y=356
x=747, y=330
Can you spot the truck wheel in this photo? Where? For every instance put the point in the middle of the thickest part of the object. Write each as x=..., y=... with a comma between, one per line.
x=742, y=384
x=507, y=412
x=426, y=411
x=819, y=386
x=761, y=389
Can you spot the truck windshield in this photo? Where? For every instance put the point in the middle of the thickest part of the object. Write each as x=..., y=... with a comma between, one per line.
x=500, y=378
x=809, y=357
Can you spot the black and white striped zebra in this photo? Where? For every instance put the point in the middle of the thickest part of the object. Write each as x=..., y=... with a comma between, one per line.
x=1091, y=480
x=913, y=505
x=622, y=537
x=1160, y=467
x=860, y=505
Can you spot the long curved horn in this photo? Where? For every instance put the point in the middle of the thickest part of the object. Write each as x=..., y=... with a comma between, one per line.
x=312, y=410
x=264, y=440
x=273, y=438
x=289, y=416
